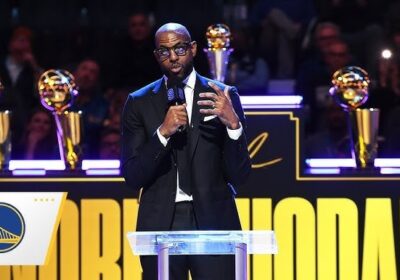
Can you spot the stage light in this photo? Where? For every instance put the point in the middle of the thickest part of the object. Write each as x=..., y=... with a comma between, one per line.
x=271, y=101
x=37, y=164
x=29, y=172
x=386, y=54
x=103, y=172
x=323, y=171
x=330, y=162
x=100, y=164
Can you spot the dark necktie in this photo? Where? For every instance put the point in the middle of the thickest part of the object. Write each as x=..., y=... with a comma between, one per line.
x=181, y=146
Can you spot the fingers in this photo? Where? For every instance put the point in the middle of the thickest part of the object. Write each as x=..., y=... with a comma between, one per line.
x=210, y=95
x=179, y=121
x=178, y=108
x=206, y=103
x=226, y=92
x=207, y=111
x=218, y=101
x=209, y=103
x=216, y=88
x=176, y=117
x=178, y=111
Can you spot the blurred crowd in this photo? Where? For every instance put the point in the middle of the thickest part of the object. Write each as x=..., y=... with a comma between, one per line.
x=108, y=47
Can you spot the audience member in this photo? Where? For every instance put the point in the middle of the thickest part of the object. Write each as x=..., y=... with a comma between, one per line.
x=325, y=33
x=334, y=140
x=385, y=93
x=39, y=140
x=92, y=103
x=110, y=144
x=282, y=24
x=247, y=71
x=392, y=134
x=314, y=80
x=135, y=65
x=116, y=98
x=19, y=71
x=360, y=24
x=129, y=63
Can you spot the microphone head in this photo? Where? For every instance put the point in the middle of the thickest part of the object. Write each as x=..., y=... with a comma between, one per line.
x=175, y=95
x=181, y=94
x=170, y=95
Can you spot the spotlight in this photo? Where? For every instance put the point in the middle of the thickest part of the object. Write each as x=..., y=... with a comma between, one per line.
x=386, y=54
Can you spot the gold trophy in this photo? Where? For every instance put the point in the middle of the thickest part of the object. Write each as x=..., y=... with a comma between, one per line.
x=5, y=136
x=350, y=90
x=57, y=91
x=218, y=51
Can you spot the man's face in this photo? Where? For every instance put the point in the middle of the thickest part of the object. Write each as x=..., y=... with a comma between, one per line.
x=175, y=67
x=337, y=56
x=139, y=28
x=40, y=124
x=87, y=74
x=324, y=38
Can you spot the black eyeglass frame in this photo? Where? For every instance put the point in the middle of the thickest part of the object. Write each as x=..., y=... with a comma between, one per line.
x=184, y=45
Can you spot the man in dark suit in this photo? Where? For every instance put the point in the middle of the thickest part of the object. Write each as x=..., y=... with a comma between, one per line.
x=19, y=72
x=186, y=158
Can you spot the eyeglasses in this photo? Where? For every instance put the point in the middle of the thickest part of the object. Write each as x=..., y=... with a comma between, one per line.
x=180, y=50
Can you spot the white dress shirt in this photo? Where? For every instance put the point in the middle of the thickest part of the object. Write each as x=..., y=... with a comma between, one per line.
x=14, y=69
x=234, y=134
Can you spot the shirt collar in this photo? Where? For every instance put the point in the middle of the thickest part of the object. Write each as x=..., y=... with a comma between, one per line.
x=190, y=81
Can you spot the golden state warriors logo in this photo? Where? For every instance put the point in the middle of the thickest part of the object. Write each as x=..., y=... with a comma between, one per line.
x=12, y=227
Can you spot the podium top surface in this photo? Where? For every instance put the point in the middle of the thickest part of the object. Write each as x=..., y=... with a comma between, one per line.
x=202, y=242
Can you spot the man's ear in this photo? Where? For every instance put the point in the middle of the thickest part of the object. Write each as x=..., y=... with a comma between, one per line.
x=156, y=56
x=194, y=48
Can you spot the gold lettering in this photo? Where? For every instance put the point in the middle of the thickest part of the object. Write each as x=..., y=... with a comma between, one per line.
x=294, y=223
x=243, y=206
x=101, y=239
x=49, y=271
x=262, y=220
x=5, y=272
x=255, y=146
x=337, y=214
x=131, y=263
x=26, y=272
x=69, y=242
x=379, y=255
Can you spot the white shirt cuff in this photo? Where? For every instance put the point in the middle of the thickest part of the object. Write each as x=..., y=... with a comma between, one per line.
x=163, y=140
x=234, y=134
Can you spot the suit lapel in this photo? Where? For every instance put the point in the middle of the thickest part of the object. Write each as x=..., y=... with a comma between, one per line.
x=201, y=86
x=159, y=99
x=160, y=104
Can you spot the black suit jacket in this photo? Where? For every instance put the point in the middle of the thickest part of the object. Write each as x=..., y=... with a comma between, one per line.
x=217, y=162
x=21, y=98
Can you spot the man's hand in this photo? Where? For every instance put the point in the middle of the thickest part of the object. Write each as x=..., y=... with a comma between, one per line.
x=221, y=106
x=175, y=118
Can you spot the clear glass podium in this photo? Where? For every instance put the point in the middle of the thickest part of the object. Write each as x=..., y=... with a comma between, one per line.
x=238, y=243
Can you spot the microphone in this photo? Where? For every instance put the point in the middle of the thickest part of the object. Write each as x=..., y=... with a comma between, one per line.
x=176, y=96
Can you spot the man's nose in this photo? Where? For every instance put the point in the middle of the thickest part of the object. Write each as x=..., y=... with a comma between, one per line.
x=172, y=55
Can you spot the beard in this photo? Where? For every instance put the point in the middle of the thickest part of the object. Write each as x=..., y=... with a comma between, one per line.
x=177, y=77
